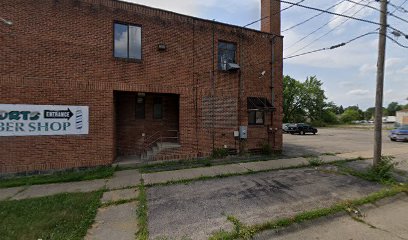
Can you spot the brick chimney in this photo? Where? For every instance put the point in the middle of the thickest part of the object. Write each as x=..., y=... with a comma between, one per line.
x=270, y=13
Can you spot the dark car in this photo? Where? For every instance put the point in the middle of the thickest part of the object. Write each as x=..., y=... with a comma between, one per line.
x=301, y=128
x=285, y=127
x=399, y=134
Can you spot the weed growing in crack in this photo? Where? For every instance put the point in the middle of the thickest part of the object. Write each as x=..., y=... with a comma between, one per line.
x=315, y=162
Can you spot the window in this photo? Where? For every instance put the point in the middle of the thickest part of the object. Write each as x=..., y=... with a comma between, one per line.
x=226, y=54
x=256, y=118
x=158, y=108
x=128, y=41
x=140, y=108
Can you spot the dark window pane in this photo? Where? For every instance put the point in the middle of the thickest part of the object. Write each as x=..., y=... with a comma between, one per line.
x=251, y=117
x=121, y=41
x=158, y=109
x=256, y=118
x=140, y=108
x=135, y=42
x=259, y=118
x=226, y=54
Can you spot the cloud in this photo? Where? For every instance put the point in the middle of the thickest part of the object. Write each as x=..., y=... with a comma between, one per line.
x=350, y=9
x=358, y=92
x=404, y=70
x=367, y=69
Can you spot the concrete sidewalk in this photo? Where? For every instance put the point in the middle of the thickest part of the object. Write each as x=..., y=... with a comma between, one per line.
x=387, y=219
x=120, y=180
x=131, y=178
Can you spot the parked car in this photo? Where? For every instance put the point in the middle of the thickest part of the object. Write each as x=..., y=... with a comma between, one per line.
x=399, y=134
x=285, y=127
x=301, y=128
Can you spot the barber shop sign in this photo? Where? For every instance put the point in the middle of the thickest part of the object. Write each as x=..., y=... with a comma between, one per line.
x=43, y=120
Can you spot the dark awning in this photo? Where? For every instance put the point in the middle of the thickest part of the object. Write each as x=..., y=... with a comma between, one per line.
x=259, y=104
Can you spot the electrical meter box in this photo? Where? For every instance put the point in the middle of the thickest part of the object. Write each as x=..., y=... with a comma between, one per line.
x=243, y=132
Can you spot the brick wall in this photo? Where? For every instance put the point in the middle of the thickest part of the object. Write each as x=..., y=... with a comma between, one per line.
x=60, y=52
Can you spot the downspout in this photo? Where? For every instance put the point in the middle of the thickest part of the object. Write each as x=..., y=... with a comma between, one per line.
x=272, y=129
x=213, y=87
x=195, y=82
x=240, y=88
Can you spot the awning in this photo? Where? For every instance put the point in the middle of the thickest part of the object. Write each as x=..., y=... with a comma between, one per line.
x=259, y=104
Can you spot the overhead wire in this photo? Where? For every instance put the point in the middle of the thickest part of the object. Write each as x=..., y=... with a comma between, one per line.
x=314, y=16
x=331, y=47
x=399, y=8
x=283, y=9
x=317, y=29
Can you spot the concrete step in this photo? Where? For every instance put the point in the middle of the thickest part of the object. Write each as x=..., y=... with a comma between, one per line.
x=159, y=147
x=128, y=161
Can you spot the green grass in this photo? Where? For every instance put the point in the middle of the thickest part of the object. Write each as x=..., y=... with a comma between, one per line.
x=142, y=218
x=67, y=176
x=207, y=162
x=315, y=162
x=63, y=216
x=383, y=173
x=242, y=231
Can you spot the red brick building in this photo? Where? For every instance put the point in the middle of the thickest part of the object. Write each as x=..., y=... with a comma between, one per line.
x=147, y=76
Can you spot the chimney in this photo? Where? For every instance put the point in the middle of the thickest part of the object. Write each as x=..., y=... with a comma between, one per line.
x=271, y=16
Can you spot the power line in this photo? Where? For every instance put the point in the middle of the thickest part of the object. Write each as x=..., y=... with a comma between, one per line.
x=333, y=13
x=365, y=5
x=284, y=9
x=331, y=47
x=307, y=20
x=399, y=8
x=344, y=44
x=327, y=33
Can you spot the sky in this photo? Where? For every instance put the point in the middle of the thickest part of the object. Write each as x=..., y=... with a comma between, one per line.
x=348, y=73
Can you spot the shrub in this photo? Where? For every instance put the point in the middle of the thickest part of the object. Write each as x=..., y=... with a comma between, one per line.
x=219, y=153
x=266, y=149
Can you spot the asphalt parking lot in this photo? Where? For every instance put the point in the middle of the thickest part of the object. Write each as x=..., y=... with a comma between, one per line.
x=196, y=210
x=334, y=140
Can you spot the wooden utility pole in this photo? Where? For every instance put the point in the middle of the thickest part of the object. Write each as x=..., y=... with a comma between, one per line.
x=380, y=84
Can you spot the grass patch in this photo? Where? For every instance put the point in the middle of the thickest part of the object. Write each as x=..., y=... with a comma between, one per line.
x=383, y=173
x=143, y=233
x=315, y=162
x=61, y=177
x=249, y=172
x=63, y=216
x=206, y=162
x=242, y=231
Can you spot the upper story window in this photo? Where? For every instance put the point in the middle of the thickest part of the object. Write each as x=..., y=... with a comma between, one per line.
x=128, y=41
x=226, y=54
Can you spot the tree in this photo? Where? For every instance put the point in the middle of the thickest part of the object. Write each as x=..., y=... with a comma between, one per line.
x=358, y=110
x=369, y=113
x=393, y=108
x=314, y=100
x=293, y=100
x=349, y=115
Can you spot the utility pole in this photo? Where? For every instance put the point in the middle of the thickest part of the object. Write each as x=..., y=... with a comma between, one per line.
x=380, y=84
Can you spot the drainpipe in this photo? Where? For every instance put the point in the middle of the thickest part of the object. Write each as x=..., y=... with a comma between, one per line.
x=213, y=87
x=272, y=130
x=240, y=88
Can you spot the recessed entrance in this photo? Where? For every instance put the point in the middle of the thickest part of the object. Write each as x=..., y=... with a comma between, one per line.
x=146, y=123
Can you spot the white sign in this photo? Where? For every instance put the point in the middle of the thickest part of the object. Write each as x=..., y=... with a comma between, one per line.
x=43, y=120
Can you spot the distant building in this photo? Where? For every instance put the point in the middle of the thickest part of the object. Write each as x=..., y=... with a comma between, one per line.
x=402, y=117
x=389, y=119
